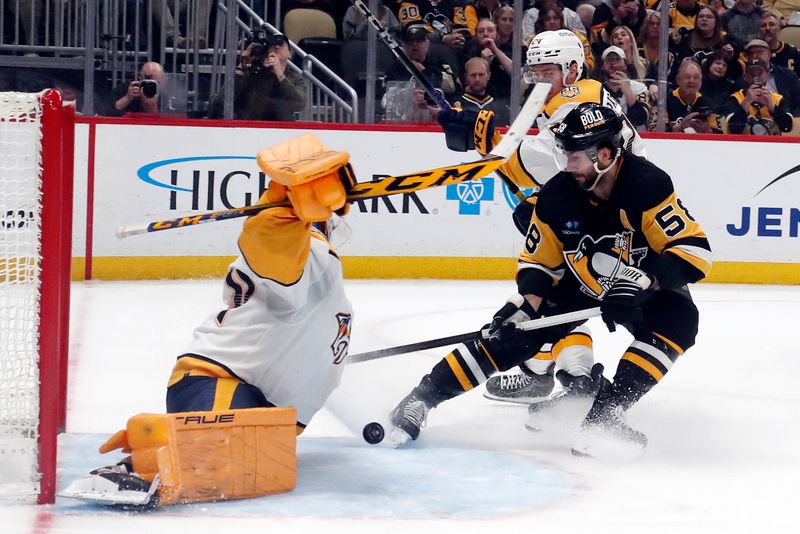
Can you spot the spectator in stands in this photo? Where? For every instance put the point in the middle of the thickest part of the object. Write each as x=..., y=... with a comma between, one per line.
x=717, y=85
x=551, y=17
x=682, y=18
x=355, y=25
x=788, y=9
x=571, y=19
x=783, y=54
x=503, y=19
x=742, y=21
x=650, y=51
x=140, y=95
x=264, y=87
x=756, y=109
x=637, y=66
x=631, y=94
x=476, y=96
x=687, y=110
x=417, y=45
x=705, y=39
x=613, y=13
x=778, y=79
x=453, y=23
x=485, y=8
x=484, y=45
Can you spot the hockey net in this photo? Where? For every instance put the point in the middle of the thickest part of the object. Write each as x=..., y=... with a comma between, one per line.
x=35, y=241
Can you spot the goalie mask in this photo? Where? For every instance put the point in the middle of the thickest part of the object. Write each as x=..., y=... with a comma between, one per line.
x=560, y=47
x=588, y=128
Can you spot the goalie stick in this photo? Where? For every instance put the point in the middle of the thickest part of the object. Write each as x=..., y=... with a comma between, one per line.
x=534, y=324
x=392, y=185
x=434, y=94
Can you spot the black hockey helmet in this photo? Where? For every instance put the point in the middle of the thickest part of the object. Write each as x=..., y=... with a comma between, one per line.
x=589, y=125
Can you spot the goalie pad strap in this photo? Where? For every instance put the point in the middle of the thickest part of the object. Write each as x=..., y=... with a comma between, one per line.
x=207, y=456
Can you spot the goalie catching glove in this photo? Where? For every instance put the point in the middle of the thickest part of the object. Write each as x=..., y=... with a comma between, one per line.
x=623, y=300
x=315, y=178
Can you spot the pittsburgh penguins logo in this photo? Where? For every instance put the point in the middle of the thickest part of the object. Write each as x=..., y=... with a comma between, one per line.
x=595, y=263
x=342, y=341
x=438, y=22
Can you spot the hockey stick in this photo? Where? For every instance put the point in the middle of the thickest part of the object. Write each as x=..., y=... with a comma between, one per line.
x=534, y=324
x=435, y=95
x=406, y=183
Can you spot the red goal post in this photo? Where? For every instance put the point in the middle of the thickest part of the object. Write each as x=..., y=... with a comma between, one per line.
x=36, y=180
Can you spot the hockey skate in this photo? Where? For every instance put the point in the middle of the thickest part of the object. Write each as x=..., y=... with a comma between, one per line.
x=605, y=435
x=408, y=418
x=524, y=387
x=114, y=485
x=571, y=401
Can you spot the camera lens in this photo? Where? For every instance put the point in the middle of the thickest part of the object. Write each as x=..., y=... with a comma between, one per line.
x=149, y=88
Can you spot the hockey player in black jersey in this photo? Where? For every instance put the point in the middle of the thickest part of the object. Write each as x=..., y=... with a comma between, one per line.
x=608, y=228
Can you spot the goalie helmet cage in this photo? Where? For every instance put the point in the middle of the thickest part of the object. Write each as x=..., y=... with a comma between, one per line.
x=36, y=161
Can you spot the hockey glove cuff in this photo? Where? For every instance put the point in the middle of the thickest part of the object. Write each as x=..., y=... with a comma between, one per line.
x=504, y=323
x=622, y=302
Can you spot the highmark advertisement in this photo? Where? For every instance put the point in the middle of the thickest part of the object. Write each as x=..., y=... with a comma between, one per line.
x=746, y=195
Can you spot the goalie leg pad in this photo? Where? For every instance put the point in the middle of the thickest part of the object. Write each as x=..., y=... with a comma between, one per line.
x=209, y=456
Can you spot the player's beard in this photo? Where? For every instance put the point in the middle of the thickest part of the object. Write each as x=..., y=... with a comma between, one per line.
x=585, y=180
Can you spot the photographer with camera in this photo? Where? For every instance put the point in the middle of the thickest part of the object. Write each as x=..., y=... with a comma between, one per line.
x=756, y=110
x=264, y=88
x=141, y=95
x=687, y=108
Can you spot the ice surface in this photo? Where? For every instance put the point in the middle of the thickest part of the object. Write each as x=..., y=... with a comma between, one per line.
x=723, y=425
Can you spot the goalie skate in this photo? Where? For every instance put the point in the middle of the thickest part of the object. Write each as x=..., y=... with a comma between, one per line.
x=114, y=486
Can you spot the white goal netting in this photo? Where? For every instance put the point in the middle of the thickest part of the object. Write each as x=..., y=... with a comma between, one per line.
x=20, y=231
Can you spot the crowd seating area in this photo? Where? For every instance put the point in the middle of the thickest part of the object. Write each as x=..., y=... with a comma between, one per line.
x=732, y=65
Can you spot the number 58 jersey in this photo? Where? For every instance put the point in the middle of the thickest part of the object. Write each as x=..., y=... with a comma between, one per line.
x=286, y=329
x=576, y=239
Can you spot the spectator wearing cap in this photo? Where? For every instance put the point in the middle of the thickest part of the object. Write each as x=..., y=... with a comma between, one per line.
x=777, y=79
x=417, y=47
x=742, y=21
x=783, y=54
x=631, y=94
x=264, y=86
x=756, y=109
x=687, y=109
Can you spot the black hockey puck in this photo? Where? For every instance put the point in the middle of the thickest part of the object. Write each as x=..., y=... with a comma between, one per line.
x=373, y=433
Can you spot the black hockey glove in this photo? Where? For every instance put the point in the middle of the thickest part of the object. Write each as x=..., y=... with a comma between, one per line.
x=458, y=126
x=504, y=323
x=623, y=300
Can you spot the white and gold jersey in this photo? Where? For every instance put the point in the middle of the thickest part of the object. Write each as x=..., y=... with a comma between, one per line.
x=534, y=164
x=286, y=328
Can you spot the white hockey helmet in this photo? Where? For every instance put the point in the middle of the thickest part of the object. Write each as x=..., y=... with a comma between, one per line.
x=559, y=47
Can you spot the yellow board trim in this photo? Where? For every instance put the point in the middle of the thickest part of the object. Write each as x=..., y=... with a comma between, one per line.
x=386, y=267
x=458, y=372
x=644, y=364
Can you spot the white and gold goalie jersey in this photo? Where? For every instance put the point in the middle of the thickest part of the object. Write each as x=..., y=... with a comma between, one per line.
x=533, y=164
x=286, y=329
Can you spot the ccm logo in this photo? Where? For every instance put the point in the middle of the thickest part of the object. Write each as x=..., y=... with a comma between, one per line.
x=207, y=419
